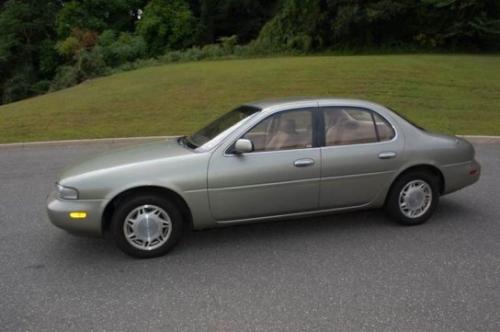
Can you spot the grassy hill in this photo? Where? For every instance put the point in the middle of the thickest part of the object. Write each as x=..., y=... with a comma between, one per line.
x=454, y=94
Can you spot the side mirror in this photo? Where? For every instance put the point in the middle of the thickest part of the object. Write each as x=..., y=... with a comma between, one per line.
x=243, y=145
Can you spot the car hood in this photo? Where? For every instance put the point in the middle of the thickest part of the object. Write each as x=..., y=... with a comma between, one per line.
x=126, y=157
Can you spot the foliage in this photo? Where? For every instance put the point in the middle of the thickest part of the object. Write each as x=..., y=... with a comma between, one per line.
x=166, y=24
x=454, y=23
x=26, y=38
x=86, y=60
x=294, y=27
x=41, y=40
x=228, y=43
x=66, y=77
x=119, y=48
x=178, y=99
x=78, y=41
x=97, y=15
x=243, y=18
x=18, y=86
x=317, y=24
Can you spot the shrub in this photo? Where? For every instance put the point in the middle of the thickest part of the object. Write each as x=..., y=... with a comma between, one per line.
x=18, y=86
x=167, y=25
x=213, y=51
x=66, y=76
x=171, y=56
x=69, y=46
x=90, y=64
x=228, y=43
x=78, y=41
x=40, y=87
x=193, y=54
x=119, y=49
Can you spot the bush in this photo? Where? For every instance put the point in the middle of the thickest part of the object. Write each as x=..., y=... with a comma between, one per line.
x=90, y=64
x=210, y=51
x=172, y=56
x=78, y=41
x=213, y=51
x=166, y=25
x=18, y=86
x=228, y=43
x=40, y=87
x=117, y=50
x=193, y=54
x=66, y=76
x=69, y=46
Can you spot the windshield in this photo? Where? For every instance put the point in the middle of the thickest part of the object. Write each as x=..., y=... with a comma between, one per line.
x=221, y=126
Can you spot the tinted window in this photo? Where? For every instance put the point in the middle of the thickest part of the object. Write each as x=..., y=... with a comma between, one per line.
x=384, y=128
x=217, y=127
x=348, y=126
x=345, y=126
x=282, y=131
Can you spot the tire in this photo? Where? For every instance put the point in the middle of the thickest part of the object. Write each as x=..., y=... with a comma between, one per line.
x=406, y=212
x=154, y=226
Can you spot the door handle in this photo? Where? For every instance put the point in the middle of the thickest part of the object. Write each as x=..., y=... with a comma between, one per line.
x=303, y=162
x=387, y=155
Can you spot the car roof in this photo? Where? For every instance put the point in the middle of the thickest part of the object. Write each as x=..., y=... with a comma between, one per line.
x=296, y=101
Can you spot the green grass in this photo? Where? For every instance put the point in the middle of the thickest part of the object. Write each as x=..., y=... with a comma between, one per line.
x=457, y=94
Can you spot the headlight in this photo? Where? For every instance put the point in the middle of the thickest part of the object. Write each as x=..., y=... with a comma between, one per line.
x=66, y=192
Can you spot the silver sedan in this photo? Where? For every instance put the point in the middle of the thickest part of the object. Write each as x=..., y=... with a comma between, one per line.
x=264, y=160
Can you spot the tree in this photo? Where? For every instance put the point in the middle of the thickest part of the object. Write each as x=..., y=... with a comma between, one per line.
x=167, y=24
x=222, y=18
x=296, y=26
x=462, y=23
x=98, y=15
x=27, y=52
x=369, y=24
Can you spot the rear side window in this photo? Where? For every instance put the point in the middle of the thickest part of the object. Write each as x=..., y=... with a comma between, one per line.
x=384, y=128
x=345, y=126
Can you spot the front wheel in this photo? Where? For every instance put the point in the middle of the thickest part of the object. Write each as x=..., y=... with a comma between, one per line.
x=146, y=226
x=413, y=198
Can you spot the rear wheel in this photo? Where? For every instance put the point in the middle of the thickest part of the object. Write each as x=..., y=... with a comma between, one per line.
x=146, y=226
x=413, y=198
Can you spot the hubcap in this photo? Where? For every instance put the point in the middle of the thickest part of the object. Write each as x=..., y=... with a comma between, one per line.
x=147, y=227
x=415, y=198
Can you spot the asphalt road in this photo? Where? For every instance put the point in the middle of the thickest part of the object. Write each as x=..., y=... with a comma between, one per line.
x=350, y=272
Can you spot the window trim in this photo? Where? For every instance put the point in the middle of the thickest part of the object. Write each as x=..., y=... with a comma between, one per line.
x=322, y=110
x=315, y=117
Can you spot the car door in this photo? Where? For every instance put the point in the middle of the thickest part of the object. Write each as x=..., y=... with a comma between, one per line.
x=280, y=176
x=361, y=154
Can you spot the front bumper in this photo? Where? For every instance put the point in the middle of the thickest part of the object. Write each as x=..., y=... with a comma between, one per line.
x=59, y=210
x=460, y=175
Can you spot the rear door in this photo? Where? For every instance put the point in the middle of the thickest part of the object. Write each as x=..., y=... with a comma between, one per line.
x=360, y=156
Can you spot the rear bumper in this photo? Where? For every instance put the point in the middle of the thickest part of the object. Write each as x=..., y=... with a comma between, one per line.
x=59, y=210
x=458, y=176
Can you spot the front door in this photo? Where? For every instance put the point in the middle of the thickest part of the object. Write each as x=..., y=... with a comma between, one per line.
x=280, y=176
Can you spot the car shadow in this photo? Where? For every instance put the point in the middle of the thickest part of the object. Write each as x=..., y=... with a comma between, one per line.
x=303, y=230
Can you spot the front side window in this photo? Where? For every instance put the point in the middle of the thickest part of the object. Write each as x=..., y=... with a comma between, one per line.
x=345, y=126
x=212, y=133
x=283, y=131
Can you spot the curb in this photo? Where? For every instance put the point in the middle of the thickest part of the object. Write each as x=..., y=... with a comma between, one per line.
x=481, y=139
x=117, y=140
x=124, y=140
